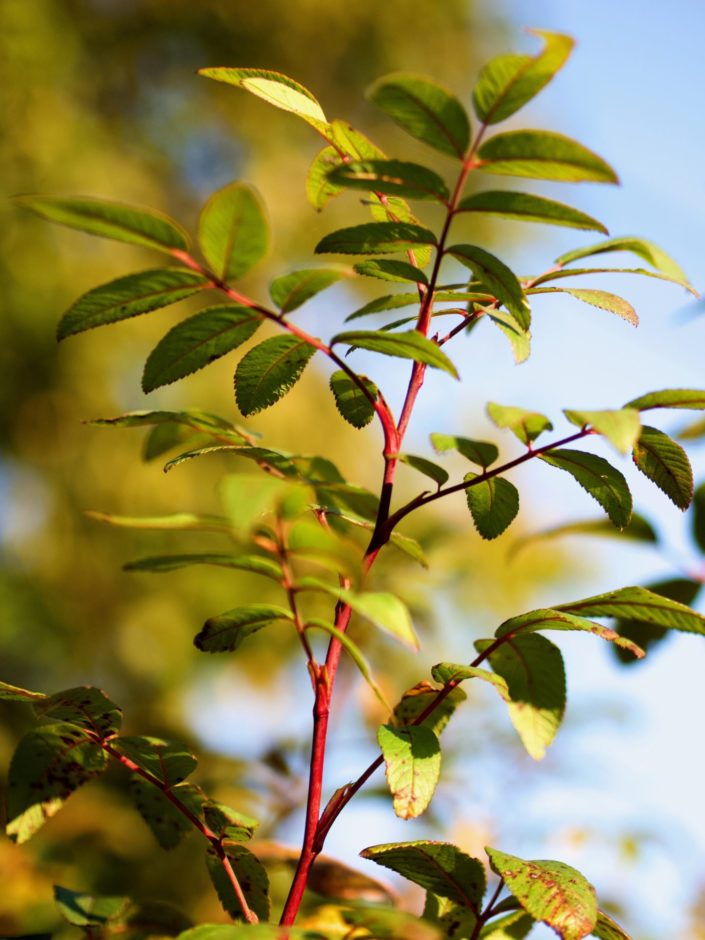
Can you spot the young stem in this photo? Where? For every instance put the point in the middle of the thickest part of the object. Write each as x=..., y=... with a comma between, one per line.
x=205, y=830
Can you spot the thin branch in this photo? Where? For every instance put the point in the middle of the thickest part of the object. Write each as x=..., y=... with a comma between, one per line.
x=205, y=830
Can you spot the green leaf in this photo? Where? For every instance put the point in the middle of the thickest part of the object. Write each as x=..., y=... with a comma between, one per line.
x=497, y=277
x=247, y=932
x=533, y=670
x=519, y=338
x=178, y=521
x=290, y=291
x=644, y=249
x=608, y=929
x=493, y=504
x=526, y=207
x=412, y=756
x=355, y=653
x=621, y=427
x=256, y=564
x=12, y=693
x=561, y=619
x=391, y=270
x=110, y=220
x=382, y=923
x=227, y=823
x=507, y=82
x=418, y=698
x=353, y=405
x=457, y=672
x=639, y=529
x=262, y=456
x=198, y=420
x=690, y=398
x=438, y=867
x=233, y=233
x=393, y=177
x=648, y=635
x=698, y=516
x=226, y=632
x=483, y=453
x=196, y=342
x=251, y=874
x=85, y=910
x=559, y=274
x=427, y=467
x=279, y=90
x=375, y=238
x=319, y=189
x=597, y=477
x=637, y=603
x=666, y=464
x=551, y=892
x=543, y=155
x=129, y=297
x=425, y=110
x=386, y=302
x=408, y=345
x=84, y=706
x=168, y=825
x=514, y=926
x=602, y=299
x=48, y=765
x=170, y=763
x=353, y=143
x=693, y=431
x=385, y=611
x=269, y=370
x=526, y=425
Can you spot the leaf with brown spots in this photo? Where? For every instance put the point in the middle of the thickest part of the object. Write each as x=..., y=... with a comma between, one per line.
x=48, y=765
x=168, y=824
x=438, y=867
x=412, y=756
x=252, y=877
x=552, y=892
x=170, y=763
x=84, y=706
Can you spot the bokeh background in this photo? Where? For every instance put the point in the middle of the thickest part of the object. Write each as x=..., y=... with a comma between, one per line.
x=100, y=97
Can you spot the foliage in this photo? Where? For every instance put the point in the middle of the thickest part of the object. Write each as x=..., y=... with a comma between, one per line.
x=299, y=523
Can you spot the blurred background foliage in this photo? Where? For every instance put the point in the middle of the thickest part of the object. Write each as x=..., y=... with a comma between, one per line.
x=99, y=97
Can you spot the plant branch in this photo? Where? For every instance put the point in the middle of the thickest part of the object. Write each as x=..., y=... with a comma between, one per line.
x=206, y=831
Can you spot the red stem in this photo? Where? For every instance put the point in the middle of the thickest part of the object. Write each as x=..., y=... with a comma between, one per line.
x=205, y=830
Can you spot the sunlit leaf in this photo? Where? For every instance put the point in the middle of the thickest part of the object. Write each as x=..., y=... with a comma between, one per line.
x=420, y=697
x=256, y=564
x=277, y=89
x=269, y=370
x=114, y=220
x=12, y=693
x=526, y=425
x=436, y=866
x=543, y=155
x=637, y=603
x=602, y=299
x=649, y=635
x=551, y=892
x=483, y=453
x=412, y=756
x=698, y=517
x=608, y=929
x=688, y=398
x=507, y=82
x=409, y=345
x=427, y=467
x=425, y=110
x=621, y=427
x=196, y=342
x=228, y=823
x=644, y=249
x=598, y=478
x=533, y=670
x=129, y=297
x=562, y=618
x=391, y=270
x=526, y=207
x=232, y=231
